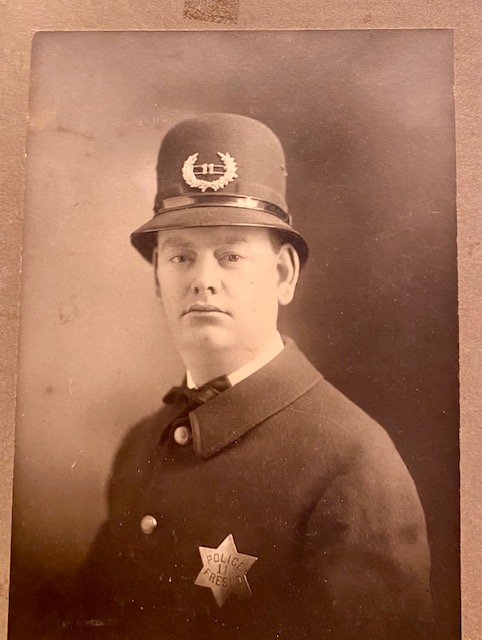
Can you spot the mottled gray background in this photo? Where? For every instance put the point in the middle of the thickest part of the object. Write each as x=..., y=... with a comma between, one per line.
x=367, y=122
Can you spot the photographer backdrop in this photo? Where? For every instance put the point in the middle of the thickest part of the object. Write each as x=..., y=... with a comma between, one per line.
x=367, y=122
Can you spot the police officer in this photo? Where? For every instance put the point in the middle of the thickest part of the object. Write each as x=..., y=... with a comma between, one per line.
x=259, y=502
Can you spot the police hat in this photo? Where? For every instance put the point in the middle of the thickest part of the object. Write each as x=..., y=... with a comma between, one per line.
x=220, y=170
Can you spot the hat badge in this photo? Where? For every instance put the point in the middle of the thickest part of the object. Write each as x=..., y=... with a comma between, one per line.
x=226, y=171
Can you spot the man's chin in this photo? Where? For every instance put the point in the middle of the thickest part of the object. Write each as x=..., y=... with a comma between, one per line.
x=208, y=338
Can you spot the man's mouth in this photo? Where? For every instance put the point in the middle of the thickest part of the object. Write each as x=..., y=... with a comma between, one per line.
x=203, y=308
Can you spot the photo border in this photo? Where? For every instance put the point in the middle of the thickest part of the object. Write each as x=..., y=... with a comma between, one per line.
x=20, y=21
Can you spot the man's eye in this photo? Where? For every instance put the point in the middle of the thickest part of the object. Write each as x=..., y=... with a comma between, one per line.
x=180, y=259
x=232, y=257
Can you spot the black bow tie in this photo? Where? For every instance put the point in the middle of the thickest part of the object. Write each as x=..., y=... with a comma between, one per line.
x=196, y=397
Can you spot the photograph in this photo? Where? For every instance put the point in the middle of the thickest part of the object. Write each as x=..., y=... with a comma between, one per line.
x=238, y=378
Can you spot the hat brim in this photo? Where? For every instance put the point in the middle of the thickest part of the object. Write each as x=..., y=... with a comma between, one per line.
x=144, y=239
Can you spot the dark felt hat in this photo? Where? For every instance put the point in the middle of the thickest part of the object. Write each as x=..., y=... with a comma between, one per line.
x=215, y=170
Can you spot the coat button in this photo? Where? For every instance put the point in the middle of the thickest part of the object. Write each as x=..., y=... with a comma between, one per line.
x=182, y=435
x=148, y=524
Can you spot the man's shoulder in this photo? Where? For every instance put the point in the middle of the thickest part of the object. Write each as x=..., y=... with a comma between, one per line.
x=301, y=390
x=336, y=409
x=323, y=418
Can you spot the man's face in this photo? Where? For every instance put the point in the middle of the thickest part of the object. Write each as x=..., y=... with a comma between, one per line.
x=220, y=287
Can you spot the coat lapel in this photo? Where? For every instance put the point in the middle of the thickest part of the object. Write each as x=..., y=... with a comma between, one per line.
x=221, y=421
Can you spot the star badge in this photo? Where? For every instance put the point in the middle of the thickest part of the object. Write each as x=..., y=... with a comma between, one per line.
x=224, y=570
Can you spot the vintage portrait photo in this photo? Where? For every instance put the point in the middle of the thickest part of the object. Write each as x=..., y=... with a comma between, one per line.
x=238, y=399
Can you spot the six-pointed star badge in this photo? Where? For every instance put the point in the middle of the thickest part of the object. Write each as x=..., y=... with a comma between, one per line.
x=224, y=570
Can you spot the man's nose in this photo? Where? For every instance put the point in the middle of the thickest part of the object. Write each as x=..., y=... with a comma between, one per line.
x=206, y=276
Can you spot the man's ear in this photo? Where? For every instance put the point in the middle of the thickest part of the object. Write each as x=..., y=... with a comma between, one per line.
x=155, y=261
x=288, y=273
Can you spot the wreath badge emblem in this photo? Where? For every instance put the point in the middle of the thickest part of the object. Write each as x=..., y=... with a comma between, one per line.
x=226, y=171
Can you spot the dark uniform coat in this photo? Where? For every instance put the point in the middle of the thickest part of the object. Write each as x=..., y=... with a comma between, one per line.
x=289, y=507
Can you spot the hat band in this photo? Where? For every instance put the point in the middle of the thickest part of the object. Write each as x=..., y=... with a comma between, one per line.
x=224, y=200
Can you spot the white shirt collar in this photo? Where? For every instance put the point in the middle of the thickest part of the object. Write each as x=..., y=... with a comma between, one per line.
x=275, y=347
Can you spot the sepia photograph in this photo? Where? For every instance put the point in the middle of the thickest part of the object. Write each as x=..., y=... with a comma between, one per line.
x=238, y=380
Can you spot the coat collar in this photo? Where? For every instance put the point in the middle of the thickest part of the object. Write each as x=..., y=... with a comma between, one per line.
x=224, y=419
